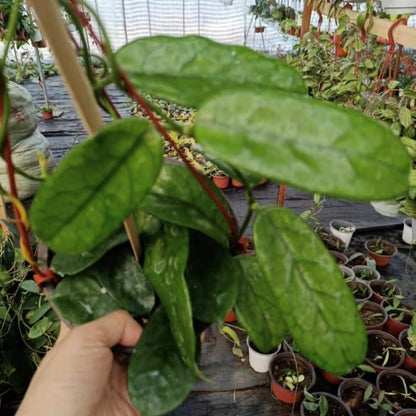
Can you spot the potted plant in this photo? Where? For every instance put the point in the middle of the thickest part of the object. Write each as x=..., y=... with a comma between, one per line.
x=47, y=111
x=190, y=266
x=220, y=179
x=363, y=397
x=384, y=351
x=360, y=290
x=407, y=236
x=380, y=250
x=340, y=258
x=399, y=315
x=399, y=388
x=366, y=273
x=407, y=340
x=373, y=315
x=330, y=241
x=357, y=372
x=290, y=375
x=323, y=404
x=384, y=289
x=347, y=273
x=258, y=360
x=343, y=230
x=289, y=26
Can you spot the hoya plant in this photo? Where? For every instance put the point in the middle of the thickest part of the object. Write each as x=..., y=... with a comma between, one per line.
x=254, y=120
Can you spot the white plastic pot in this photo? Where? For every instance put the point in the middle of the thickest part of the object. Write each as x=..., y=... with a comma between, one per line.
x=387, y=208
x=399, y=6
x=343, y=230
x=259, y=362
x=409, y=231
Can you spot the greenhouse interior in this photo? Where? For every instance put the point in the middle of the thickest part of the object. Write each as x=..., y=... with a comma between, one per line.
x=208, y=207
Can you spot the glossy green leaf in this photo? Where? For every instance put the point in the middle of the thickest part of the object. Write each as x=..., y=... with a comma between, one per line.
x=30, y=286
x=165, y=261
x=40, y=328
x=178, y=197
x=66, y=264
x=212, y=276
x=190, y=69
x=313, y=300
x=256, y=307
x=158, y=380
x=305, y=143
x=97, y=186
x=405, y=116
x=40, y=313
x=123, y=277
x=82, y=299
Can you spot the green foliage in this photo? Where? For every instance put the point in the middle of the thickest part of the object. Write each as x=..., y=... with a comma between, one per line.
x=248, y=118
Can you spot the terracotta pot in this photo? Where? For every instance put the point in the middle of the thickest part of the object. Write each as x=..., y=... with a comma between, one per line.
x=351, y=391
x=360, y=290
x=383, y=289
x=406, y=412
x=334, y=402
x=366, y=273
x=340, y=52
x=221, y=182
x=384, y=340
x=410, y=360
x=393, y=326
x=259, y=361
x=21, y=36
x=392, y=380
x=236, y=183
x=259, y=29
x=384, y=258
x=231, y=317
x=337, y=380
x=287, y=360
x=47, y=115
x=366, y=313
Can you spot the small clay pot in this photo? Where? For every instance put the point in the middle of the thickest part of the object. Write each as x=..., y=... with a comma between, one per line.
x=406, y=412
x=379, y=341
x=393, y=326
x=237, y=184
x=373, y=315
x=221, y=182
x=410, y=360
x=339, y=257
x=47, y=115
x=383, y=289
x=360, y=290
x=287, y=360
x=366, y=273
x=231, y=317
x=337, y=380
x=382, y=259
x=392, y=381
x=347, y=273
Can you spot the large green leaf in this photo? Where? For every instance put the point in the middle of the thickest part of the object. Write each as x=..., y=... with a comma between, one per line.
x=97, y=186
x=310, y=293
x=158, y=380
x=177, y=197
x=190, y=69
x=82, y=299
x=66, y=264
x=121, y=275
x=256, y=307
x=212, y=276
x=306, y=143
x=165, y=261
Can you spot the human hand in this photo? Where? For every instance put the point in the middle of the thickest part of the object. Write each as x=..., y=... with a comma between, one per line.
x=80, y=377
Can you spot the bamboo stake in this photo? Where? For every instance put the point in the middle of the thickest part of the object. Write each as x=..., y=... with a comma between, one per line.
x=54, y=30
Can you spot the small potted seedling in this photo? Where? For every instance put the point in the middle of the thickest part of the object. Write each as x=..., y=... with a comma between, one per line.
x=373, y=315
x=260, y=361
x=360, y=290
x=380, y=250
x=47, y=111
x=290, y=374
x=384, y=289
x=220, y=179
x=366, y=273
x=407, y=340
x=343, y=230
x=347, y=273
x=399, y=315
x=323, y=404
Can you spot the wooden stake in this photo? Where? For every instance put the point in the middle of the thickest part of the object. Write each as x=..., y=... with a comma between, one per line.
x=54, y=30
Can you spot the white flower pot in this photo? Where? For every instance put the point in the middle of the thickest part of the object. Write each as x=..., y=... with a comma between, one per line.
x=343, y=230
x=409, y=231
x=399, y=6
x=37, y=36
x=259, y=362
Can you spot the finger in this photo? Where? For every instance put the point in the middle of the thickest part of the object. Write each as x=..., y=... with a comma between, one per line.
x=115, y=328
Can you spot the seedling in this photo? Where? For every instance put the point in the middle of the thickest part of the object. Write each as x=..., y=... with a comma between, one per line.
x=385, y=355
x=396, y=312
x=411, y=334
x=406, y=394
x=230, y=335
x=291, y=379
x=314, y=403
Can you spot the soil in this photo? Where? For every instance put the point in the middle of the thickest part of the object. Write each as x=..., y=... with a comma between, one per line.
x=365, y=275
x=370, y=316
x=281, y=370
x=393, y=386
x=354, y=397
x=358, y=260
x=334, y=409
x=331, y=241
x=387, y=249
x=377, y=345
